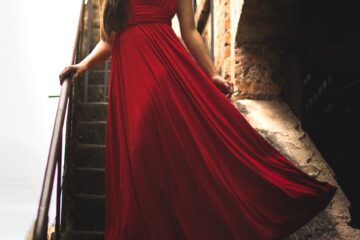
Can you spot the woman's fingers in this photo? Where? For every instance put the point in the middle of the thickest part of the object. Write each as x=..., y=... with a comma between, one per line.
x=69, y=71
x=225, y=86
x=230, y=89
x=64, y=74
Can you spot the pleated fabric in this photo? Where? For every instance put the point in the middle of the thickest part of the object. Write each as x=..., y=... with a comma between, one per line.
x=181, y=161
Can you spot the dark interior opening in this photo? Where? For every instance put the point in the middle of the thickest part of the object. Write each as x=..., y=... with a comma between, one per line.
x=330, y=37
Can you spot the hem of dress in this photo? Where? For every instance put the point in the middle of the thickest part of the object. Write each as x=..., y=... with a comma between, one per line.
x=316, y=210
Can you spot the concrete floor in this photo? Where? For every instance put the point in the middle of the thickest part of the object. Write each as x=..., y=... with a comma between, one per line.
x=276, y=123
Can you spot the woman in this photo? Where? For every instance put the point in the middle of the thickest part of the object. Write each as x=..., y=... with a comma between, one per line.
x=181, y=161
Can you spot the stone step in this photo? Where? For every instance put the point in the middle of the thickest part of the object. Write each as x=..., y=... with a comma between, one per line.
x=89, y=180
x=95, y=111
x=87, y=235
x=89, y=212
x=91, y=132
x=95, y=93
x=89, y=155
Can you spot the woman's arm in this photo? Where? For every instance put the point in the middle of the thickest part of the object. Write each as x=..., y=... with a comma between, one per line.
x=192, y=37
x=197, y=48
x=98, y=55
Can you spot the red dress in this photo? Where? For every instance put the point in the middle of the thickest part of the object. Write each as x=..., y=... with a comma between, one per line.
x=181, y=161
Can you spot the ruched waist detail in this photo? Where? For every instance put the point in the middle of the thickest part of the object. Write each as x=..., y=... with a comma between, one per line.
x=142, y=13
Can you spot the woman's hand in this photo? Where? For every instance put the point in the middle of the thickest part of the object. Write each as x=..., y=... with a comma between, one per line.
x=98, y=55
x=72, y=71
x=225, y=86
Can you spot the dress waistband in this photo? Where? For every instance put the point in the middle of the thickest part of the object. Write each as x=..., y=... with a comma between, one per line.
x=144, y=13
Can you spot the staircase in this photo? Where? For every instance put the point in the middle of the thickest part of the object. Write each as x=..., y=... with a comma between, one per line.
x=84, y=190
x=83, y=199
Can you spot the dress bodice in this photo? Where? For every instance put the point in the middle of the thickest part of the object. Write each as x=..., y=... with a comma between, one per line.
x=145, y=11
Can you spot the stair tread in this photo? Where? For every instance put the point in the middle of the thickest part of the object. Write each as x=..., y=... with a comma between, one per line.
x=96, y=85
x=90, y=196
x=93, y=122
x=87, y=232
x=103, y=102
x=89, y=169
x=93, y=103
x=91, y=145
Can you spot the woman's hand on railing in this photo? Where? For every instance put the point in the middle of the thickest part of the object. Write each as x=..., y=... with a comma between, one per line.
x=72, y=71
x=225, y=86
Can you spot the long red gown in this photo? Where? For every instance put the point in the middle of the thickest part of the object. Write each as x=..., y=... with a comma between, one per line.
x=181, y=161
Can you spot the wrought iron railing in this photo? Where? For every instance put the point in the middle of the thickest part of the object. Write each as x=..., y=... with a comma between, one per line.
x=54, y=161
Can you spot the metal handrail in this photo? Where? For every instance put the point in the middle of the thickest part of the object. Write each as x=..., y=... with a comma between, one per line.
x=54, y=156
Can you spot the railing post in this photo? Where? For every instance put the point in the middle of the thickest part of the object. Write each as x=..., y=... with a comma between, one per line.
x=59, y=189
x=212, y=30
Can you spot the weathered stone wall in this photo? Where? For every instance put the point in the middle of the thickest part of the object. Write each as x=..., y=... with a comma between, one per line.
x=266, y=58
x=255, y=46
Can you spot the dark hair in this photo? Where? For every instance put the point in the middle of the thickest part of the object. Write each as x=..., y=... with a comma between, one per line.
x=114, y=17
